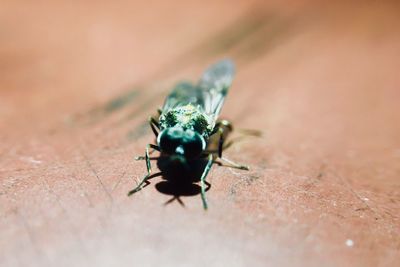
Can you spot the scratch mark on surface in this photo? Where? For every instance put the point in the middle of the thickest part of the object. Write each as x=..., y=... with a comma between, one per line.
x=119, y=180
x=69, y=220
x=85, y=194
x=97, y=176
x=30, y=234
x=361, y=199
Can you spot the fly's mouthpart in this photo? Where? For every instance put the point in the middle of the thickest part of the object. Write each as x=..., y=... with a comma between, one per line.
x=179, y=160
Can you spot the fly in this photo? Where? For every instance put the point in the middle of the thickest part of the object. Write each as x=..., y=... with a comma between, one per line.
x=188, y=121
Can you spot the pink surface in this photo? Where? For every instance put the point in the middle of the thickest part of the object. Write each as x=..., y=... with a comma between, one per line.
x=78, y=82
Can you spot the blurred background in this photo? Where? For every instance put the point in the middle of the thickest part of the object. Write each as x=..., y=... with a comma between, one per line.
x=320, y=79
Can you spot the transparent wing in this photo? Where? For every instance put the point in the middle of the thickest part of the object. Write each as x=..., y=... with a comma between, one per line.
x=214, y=85
x=208, y=95
x=184, y=93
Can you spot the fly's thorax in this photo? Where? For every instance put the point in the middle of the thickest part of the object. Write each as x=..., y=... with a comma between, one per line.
x=187, y=117
x=185, y=143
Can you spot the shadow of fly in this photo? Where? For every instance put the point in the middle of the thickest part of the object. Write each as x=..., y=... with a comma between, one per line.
x=187, y=128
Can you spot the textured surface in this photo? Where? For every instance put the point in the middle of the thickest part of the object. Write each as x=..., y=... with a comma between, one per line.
x=78, y=81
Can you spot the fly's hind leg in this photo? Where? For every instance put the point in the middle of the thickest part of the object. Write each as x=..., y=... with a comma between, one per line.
x=224, y=127
x=230, y=163
x=148, y=165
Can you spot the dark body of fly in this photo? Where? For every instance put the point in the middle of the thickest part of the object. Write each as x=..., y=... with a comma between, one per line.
x=188, y=121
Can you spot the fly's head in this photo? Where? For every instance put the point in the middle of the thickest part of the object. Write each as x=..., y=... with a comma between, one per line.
x=181, y=144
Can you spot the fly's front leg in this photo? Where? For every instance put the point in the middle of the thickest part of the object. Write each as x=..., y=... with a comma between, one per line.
x=148, y=165
x=203, y=182
x=155, y=127
x=153, y=147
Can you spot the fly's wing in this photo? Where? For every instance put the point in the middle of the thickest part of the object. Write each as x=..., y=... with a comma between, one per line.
x=208, y=96
x=184, y=93
x=214, y=85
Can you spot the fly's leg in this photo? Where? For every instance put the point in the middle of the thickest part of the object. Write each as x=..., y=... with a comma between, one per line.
x=146, y=177
x=223, y=127
x=230, y=163
x=225, y=124
x=221, y=141
x=155, y=127
x=144, y=157
x=227, y=127
x=153, y=147
x=224, y=146
x=203, y=182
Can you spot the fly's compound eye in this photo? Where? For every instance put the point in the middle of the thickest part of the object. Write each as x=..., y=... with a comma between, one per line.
x=193, y=144
x=193, y=148
x=170, y=139
x=178, y=141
